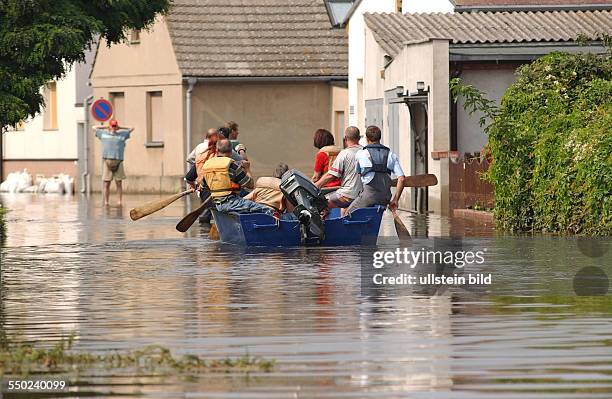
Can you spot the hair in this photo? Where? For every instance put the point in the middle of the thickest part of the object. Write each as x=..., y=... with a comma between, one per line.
x=373, y=133
x=210, y=132
x=212, y=141
x=323, y=138
x=231, y=125
x=280, y=170
x=224, y=146
x=224, y=131
x=352, y=133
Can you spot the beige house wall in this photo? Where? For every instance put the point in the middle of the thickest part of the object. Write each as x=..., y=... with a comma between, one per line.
x=339, y=104
x=135, y=69
x=427, y=62
x=277, y=120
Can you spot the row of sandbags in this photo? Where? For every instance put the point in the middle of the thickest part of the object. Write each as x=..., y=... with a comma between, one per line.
x=22, y=182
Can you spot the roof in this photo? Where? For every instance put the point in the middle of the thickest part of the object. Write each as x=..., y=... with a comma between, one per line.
x=256, y=38
x=392, y=31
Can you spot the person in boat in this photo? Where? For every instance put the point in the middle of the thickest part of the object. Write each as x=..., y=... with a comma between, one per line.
x=267, y=191
x=223, y=178
x=328, y=151
x=231, y=132
x=203, y=146
x=375, y=164
x=345, y=169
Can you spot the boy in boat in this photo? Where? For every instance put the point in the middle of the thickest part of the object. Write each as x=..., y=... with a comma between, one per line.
x=267, y=190
x=223, y=178
x=375, y=164
x=345, y=169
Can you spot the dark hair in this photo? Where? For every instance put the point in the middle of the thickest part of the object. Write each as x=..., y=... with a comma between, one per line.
x=231, y=125
x=224, y=146
x=280, y=170
x=373, y=133
x=224, y=131
x=323, y=138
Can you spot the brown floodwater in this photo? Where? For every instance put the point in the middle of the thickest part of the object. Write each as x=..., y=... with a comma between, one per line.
x=70, y=265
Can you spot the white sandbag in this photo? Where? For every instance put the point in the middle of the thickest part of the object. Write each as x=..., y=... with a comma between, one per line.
x=54, y=186
x=25, y=181
x=11, y=183
x=31, y=189
x=42, y=182
x=68, y=183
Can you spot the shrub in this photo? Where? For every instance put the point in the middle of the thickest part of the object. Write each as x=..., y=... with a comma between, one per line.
x=551, y=144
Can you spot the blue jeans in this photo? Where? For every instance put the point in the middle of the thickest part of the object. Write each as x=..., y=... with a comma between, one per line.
x=236, y=204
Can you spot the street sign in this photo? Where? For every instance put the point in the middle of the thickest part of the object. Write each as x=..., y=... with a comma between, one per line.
x=102, y=110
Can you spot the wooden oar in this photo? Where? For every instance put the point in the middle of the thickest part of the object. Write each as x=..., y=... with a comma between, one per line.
x=152, y=207
x=213, y=233
x=185, y=223
x=400, y=227
x=418, y=181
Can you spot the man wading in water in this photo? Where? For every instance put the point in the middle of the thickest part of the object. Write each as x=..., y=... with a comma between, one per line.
x=113, y=139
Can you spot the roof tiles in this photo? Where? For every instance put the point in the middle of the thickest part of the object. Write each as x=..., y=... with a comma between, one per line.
x=391, y=31
x=259, y=38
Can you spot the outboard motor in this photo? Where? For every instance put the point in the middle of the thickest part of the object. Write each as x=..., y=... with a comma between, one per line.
x=308, y=202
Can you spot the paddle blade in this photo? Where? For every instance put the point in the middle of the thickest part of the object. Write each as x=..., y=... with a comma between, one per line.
x=186, y=222
x=213, y=234
x=154, y=206
x=400, y=227
x=418, y=181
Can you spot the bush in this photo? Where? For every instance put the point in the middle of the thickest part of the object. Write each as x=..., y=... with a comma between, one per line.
x=551, y=144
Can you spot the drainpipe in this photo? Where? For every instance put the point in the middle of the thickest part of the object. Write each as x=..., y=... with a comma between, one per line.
x=191, y=82
x=85, y=178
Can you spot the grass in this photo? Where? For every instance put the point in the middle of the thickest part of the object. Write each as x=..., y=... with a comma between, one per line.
x=26, y=360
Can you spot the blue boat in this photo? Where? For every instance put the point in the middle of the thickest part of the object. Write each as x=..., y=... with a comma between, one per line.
x=261, y=230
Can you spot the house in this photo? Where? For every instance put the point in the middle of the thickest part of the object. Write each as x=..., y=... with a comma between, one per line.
x=275, y=67
x=52, y=142
x=410, y=59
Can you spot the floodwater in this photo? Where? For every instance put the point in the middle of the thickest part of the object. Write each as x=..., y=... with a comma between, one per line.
x=69, y=265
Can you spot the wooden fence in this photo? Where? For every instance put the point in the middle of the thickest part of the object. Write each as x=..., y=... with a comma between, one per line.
x=467, y=189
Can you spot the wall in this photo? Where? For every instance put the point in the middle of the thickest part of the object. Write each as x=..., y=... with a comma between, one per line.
x=135, y=69
x=428, y=62
x=356, y=32
x=33, y=143
x=277, y=120
x=493, y=81
x=339, y=104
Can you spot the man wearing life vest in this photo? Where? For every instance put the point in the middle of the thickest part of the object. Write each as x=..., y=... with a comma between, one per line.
x=223, y=178
x=375, y=164
x=267, y=190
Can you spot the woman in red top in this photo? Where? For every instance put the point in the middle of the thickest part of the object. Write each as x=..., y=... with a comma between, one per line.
x=324, y=141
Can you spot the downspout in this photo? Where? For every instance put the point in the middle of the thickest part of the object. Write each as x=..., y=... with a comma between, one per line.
x=191, y=82
x=85, y=178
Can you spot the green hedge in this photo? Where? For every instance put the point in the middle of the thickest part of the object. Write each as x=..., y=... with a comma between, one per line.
x=551, y=145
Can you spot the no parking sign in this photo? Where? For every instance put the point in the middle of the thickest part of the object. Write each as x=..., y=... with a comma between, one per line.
x=102, y=110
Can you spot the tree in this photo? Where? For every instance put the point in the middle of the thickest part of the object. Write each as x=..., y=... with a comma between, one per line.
x=40, y=39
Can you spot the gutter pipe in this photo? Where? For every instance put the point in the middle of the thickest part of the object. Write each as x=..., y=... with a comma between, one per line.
x=85, y=177
x=188, y=140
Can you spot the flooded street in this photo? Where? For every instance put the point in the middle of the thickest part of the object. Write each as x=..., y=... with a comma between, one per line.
x=69, y=265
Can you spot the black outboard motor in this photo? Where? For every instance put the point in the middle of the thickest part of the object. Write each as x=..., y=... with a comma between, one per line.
x=308, y=202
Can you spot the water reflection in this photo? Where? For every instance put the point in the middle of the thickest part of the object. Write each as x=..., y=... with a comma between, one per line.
x=71, y=265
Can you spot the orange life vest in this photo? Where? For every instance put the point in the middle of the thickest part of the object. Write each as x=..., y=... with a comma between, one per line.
x=332, y=152
x=216, y=174
x=201, y=159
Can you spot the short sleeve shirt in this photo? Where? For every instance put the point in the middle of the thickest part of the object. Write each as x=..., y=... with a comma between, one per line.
x=364, y=161
x=113, y=144
x=345, y=168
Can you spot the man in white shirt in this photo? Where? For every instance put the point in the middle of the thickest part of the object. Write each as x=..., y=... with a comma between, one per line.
x=375, y=164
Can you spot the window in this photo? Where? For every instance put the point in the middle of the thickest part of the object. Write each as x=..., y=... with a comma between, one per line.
x=50, y=112
x=117, y=99
x=135, y=36
x=155, y=136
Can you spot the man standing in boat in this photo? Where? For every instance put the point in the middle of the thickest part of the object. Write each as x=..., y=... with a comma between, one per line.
x=345, y=169
x=375, y=164
x=223, y=178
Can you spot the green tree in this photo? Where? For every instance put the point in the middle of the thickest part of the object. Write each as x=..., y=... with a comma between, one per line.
x=40, y=39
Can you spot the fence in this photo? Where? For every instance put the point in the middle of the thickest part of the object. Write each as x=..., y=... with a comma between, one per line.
x=467, y=189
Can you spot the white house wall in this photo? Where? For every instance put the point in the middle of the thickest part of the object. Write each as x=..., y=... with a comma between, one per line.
x=427, y=6
x=494, y=83
x=33, y=142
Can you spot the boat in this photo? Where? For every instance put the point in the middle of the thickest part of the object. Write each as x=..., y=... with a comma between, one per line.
x=261, y=230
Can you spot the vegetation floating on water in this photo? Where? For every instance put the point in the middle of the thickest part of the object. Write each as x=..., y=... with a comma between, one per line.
x=2, y=225
x=26, y=360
